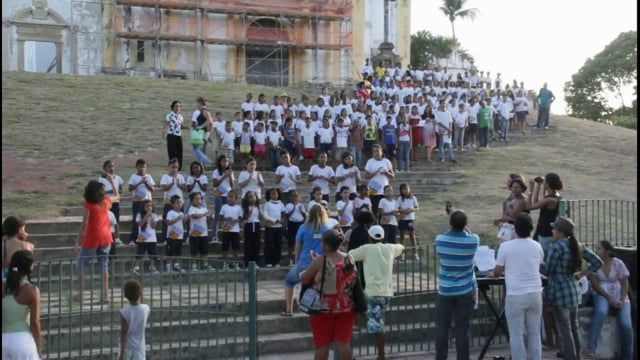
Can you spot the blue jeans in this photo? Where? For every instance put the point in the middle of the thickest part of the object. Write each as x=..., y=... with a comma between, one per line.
x=524, y=313
x=483, y=136
x=623, y=318
x=218, y=202
x=446, y=147
x=543, y=116
x=446, y=306
x=458, y=137
x=545, y=241
x=403, y=156
x=567, y=324
x=356, y=151
x=200, y=155
x=504, y=127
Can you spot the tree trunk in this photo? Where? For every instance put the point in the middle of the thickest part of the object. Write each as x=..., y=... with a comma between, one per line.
x=453, y=31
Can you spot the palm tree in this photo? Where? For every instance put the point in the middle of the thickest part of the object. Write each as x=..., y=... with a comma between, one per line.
x=453, y=9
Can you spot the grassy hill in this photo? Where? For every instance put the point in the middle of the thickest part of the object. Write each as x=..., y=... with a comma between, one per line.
x=58, y=129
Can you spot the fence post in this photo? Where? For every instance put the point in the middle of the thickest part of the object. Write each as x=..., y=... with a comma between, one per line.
x=253, y=312
x=562, y=207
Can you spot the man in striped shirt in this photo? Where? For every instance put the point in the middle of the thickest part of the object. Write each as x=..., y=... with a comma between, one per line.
x=456, y=281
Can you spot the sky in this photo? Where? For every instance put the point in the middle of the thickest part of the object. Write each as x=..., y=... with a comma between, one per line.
x=533, y=41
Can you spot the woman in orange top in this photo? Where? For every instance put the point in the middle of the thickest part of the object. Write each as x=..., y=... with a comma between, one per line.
x=95, y=234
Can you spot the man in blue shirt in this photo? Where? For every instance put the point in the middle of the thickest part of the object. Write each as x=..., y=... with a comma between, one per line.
x=456, y=281
x=545, y=98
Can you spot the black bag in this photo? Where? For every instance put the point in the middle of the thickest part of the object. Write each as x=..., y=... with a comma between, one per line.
x=310, y=299
x=358, y=296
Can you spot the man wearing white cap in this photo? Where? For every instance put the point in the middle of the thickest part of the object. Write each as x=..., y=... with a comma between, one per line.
x=377, y=258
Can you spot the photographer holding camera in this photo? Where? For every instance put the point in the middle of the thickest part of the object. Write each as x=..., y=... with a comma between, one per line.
x=547, y=202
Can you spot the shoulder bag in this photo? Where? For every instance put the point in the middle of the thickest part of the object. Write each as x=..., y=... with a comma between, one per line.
x=358, y=296
x=310, y=299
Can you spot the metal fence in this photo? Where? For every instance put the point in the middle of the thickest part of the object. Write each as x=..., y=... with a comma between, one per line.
x=612, y=220
x=194, y=315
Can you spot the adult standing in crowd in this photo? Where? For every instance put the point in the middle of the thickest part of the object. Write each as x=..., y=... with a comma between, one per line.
x=308, y=244
x=456, y=280
x=549, y=188
x=378, y=171
x=563, y=265
x=94, y=237
x=611, y=285
x=172, y=129
x=20, y=310
x=515, y=204
x=519, y=261
x=377, y=258
x=545, y=98
x=336, y=325
x=201, y=122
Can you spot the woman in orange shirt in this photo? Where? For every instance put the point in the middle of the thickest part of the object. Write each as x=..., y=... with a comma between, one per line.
x=95, y=234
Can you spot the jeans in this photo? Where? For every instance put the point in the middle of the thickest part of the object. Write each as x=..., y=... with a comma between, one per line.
x=623, y=318
x=199, y=154
x=356, y=151
x=218, y=202
x=458, y=137
x=543, y=116
x=567, y=324
x=483, y=136
x=274, y=157
x=545, y=241
x=524, y=313
x=504, y=128
x=403, y=156
x=446, y=147
x=446, y=306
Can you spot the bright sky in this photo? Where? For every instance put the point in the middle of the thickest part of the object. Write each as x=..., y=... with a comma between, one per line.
x=533, y=41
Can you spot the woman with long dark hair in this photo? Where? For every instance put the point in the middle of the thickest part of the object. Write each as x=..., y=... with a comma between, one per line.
x=20, y=301
x=563, y=265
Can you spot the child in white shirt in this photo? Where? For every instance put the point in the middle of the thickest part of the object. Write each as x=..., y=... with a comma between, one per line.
x=133, y=320
x=175, y=233
x=273, y=211
x=230, y=217
x=388, y=209
x=345, y=210
x=295, y=214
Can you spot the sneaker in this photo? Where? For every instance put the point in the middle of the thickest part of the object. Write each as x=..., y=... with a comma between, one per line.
x=290, y=262
x=454, y=161
x=153, y=270
x=416, y=257
x=442, y=160
x=177, y=267
x=225, y=267
x=269, y=265
x=132, y=244
x=168, y=268
x=236, y=266
x=136, y=270
x=546, y=128
x=277, y=265
x=118, y=242
x=194, y=268
x=214, y=240
x=206, y=267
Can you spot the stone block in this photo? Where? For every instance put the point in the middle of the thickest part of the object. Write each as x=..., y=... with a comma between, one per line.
x=609, y=339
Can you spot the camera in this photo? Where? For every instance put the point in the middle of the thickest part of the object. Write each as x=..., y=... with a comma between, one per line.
x=539, y=179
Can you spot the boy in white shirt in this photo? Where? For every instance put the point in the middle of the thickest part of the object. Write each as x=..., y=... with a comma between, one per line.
x=325, y=134
x=461, y=122
x=388, y=211
x=133, y=320
x=342, y=139
x=274, y=140
x=308, y=136
x=321, y=175
x=230, y=216
x=175, y=233
x=228, y=140
x=287, y=177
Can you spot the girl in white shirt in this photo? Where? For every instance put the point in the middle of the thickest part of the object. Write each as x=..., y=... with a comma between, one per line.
x=251, y=180
x=197, y=183
x=388, y=211
x=345, y=210
x=321, y=175
x=222, y=179
x=147, y=240
x=295, y=215
x=172, y=183
x=260, y=141
x=272, y=212
x=407, y=207
x=251, y=215
x=230, y=217
x=347, y=174
x=198, y=232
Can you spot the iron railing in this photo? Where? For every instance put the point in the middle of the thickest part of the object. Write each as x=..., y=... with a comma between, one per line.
x=595, y=220
x=193, y=314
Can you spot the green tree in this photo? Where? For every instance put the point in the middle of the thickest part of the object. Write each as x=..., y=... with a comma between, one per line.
x=453, y=9
x=427, y=48
x=609, y=71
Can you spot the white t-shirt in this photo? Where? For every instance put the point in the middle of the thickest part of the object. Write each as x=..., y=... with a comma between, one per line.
x=325, y=134
x=141, y=192
x=405, y=204
x=461, y=119
x=198, y=227
x=272, y=212
x=227, y=140
x=275, y=137
x=349, y=181
x=286, y=183
x=174, y=189
x=108, y=189
x=253, y=184
x=308, y=135
x=380, y=179
x=254, y=214
x=233, y=212
x=346, y=218
x=175, y=231
x=247, y=106
x=326, y=171
x=362, y=204
x=260, y=137
x=148, y=233
x=521, y=259
x=342, y=137
x=224, y=186
x=443, y=122
x=296, y=212
x=136, y=318
x=202, y=179
x=112, y=221
x=385, y=206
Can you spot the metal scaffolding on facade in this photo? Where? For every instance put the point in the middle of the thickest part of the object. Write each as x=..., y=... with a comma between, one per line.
x=269, y=41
